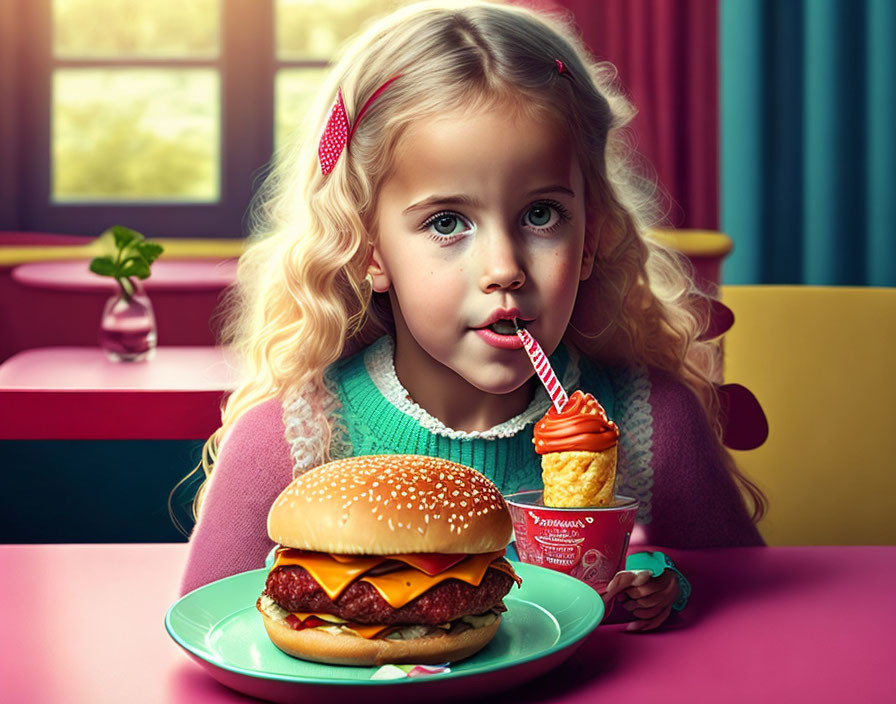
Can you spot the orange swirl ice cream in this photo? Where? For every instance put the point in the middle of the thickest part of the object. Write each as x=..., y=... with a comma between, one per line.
x=578, y=453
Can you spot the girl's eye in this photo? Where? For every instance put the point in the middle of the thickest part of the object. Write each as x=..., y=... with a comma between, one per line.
x=539, y=215
x=545, y=216
x=447, y=225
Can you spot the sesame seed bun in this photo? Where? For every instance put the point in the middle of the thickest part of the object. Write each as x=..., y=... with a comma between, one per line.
x=391, y=504
x=320, y=646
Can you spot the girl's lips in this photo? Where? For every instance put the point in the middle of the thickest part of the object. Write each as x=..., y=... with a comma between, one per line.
x=502, y=342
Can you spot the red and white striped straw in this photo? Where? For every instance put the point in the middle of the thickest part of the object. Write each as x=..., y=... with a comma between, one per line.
x=543, y=368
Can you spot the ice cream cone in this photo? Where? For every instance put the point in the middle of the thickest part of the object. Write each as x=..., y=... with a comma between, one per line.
x=579, y=478
x=578, y=449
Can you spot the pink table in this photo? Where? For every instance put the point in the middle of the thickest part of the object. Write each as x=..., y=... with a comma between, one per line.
x=75, y=393
x=84, y=623
x=174, y=275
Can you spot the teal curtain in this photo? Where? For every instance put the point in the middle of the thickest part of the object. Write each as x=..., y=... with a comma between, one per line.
x=808, y=141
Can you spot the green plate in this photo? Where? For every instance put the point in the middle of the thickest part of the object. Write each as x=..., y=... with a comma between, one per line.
x=218, y=625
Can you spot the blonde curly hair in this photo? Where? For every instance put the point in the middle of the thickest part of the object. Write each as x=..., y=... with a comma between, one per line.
x=302, y=300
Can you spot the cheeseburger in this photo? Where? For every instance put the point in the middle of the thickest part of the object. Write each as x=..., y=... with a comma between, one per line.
x=387, y=559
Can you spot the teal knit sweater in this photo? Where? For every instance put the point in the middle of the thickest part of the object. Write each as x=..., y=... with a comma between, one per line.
x=370, y=423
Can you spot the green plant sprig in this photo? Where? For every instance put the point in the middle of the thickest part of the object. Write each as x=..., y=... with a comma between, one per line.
x=134, y=255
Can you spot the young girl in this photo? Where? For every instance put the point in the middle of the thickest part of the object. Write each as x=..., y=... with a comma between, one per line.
x=466, y=169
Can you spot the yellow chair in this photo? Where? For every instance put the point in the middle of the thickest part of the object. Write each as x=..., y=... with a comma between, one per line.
x=821, y=362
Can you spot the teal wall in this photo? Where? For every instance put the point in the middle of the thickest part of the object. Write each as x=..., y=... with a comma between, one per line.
x=807, y=143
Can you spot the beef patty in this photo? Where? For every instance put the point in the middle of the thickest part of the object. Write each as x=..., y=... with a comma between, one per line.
x=293, y=588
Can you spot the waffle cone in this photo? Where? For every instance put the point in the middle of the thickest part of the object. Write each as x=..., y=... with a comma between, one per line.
x=578, y=478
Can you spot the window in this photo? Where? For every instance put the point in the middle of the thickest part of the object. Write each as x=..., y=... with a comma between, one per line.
x=308, y=32
x=134, y=113
x=160, y=115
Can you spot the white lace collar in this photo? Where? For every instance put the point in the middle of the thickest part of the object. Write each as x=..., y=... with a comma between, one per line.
x=379, y=360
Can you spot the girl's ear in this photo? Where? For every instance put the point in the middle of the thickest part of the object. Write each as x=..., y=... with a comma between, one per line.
x=377, y=272
x=588, y=252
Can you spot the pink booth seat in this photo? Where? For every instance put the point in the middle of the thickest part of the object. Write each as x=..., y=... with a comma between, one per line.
x=46, y=303
x=75, y=393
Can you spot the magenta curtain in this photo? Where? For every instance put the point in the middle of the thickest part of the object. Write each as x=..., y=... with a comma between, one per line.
x=666, y=54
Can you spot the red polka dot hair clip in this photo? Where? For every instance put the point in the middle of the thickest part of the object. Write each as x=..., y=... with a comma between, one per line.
x=337, y=133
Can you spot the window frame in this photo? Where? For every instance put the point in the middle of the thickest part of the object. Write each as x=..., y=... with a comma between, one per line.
x=246, y=133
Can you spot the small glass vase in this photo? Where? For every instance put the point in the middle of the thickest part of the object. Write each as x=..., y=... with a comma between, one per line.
x=128, y=326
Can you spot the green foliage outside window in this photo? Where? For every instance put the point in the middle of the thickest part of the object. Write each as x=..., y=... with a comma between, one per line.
x=315, y=29
x=120, y=28
x=135, y=134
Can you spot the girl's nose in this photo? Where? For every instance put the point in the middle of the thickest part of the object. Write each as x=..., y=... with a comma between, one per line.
x=502, y=267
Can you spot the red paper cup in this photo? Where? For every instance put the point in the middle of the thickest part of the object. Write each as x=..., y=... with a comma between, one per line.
x=587, y=543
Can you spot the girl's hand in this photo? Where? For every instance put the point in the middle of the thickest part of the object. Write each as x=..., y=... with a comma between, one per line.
x=649, y=598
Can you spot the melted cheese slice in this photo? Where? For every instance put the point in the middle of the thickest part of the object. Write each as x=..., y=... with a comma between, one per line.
x=431, y=563
x=362, y=629
x=402, y=586
x=366, y=631
x=336, y=573
x=333, y=576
